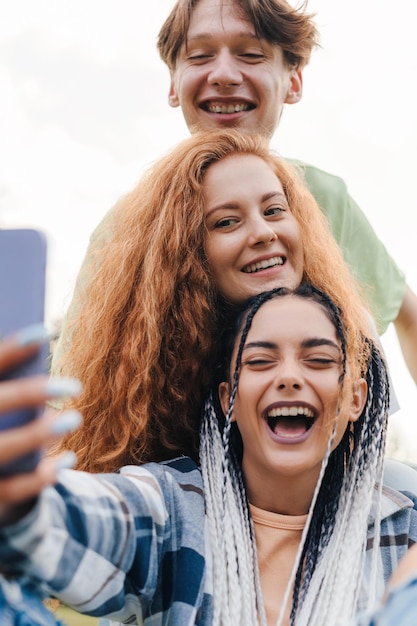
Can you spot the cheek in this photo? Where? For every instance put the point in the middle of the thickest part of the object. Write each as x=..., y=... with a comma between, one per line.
x=218, y=252
x=294, y=235
x=295, y=244
x=245, y=421
x=252, y=389
x=342, y=424
x=186, y=84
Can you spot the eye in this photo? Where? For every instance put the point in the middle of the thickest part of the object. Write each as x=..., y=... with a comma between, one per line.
x=275, y=210
x=226, y=222
x=258, y=363
x=252, y=56
x=321, y=362
x=199, y=57
x=197, y=54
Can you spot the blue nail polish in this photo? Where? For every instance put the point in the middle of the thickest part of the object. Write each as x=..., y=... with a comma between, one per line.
x=36, y=333
x=63, y=387
x=67, y=422
x=66, y=461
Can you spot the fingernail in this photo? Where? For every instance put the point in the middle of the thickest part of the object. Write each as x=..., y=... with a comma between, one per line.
x=66, y=461
x=59, y=387
x=67, y=422
x=36, y=333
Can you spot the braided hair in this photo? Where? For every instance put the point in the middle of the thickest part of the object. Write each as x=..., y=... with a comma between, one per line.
x=327, y=578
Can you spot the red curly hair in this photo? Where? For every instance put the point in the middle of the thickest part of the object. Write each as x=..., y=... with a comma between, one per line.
x=141, y=336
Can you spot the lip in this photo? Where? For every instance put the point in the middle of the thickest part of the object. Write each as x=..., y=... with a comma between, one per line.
x=289, y=440
x=266, y=270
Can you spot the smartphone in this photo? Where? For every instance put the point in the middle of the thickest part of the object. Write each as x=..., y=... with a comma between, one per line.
x=23, y=256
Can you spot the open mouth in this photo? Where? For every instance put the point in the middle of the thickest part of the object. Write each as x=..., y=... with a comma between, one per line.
x=290, y=422
x=227, y=108
x=263, y=265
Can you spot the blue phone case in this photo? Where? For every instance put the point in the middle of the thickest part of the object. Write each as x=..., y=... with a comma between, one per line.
x=22, y=303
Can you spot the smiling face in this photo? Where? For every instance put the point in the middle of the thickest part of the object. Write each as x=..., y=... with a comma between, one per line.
x=225, y=76
x=252, y=239
x=288, y=396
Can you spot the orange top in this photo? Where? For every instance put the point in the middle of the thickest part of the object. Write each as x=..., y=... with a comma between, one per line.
x=277, y=540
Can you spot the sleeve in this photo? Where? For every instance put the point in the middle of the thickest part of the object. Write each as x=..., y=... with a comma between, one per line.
x=95, y=541
x=382, y=281
x=21, y=604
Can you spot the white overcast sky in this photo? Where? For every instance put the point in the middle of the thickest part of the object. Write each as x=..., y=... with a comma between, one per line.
x=83, y=101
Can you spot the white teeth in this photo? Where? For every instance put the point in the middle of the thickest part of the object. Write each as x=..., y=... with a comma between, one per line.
x=262, y=265
x=293, y=411
x=227, y=108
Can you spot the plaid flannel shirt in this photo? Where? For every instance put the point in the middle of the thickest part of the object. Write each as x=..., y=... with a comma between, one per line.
x=133, y=547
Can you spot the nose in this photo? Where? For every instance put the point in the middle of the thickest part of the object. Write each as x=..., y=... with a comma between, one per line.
x=224, y=71
x=261, y=232
x=288, y=376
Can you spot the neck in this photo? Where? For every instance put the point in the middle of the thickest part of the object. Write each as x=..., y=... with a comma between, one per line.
x=286, y=495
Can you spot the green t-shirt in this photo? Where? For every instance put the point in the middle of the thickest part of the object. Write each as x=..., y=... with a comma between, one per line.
x=382, y=281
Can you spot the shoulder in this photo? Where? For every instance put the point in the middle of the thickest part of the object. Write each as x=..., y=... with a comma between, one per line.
x=319, y=181
x=400, y=476
x=399, y=510
x=182, y=471
x=177, y=482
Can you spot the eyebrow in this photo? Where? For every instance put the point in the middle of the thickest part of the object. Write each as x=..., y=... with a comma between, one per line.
x=208, y=35
x=314, y=342
x=235, y=206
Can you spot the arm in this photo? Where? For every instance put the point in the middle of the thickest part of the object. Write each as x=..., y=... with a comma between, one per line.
x=102, y=542
x=17, y=492
x=399, y=604
x=406, y=569
x=46, y=532
x=406, y=328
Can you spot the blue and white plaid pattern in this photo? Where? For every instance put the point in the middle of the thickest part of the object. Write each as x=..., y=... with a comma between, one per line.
x=21, y=605
x=128, y=545
x=132, y=546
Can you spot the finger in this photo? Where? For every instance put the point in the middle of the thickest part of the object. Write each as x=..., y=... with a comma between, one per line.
x=24, y=487
x=18, y=442
x=23, y=392
x=34, y=391
x=21, y=346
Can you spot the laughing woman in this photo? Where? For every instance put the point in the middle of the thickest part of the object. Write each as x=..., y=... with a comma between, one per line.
x=285, y=521
x=303, y=440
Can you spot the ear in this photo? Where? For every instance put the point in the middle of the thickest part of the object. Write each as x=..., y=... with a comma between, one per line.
x=360, y=390
x=173, y=99
x=295, y=90
x=224, y=395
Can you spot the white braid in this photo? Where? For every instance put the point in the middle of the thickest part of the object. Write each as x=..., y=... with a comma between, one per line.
x=236, y=597
x=335, y=587
x=304, y=534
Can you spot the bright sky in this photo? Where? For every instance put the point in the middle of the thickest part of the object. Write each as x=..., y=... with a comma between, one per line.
x=83, y=97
